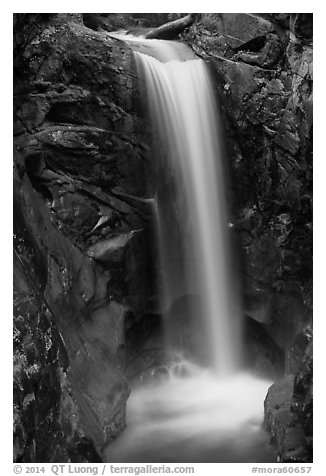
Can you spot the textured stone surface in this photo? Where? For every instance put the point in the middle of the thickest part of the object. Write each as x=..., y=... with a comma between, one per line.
x=262, y=67
x=288, y=413
x=81, y=227
x=266, y=109
x=46, y=419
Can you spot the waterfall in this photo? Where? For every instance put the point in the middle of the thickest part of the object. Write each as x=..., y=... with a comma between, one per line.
x=193, y=232
x=199, y=410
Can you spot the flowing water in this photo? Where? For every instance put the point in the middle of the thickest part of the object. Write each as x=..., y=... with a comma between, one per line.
x=194, y=249
x=208, y=409
x=198, y=418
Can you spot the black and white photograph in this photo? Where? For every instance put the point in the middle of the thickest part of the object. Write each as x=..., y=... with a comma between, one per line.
x=162, y=241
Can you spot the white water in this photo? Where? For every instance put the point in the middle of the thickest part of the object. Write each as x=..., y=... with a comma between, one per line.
x=193, y=228
x=195, y=414
x=198, y=418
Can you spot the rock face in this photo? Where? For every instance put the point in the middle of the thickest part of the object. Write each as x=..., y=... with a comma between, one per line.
x=82, y=224
x=288, y=413
x=262, y=66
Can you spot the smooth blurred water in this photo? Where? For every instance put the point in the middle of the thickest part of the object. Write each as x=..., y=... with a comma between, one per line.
x=192, y=218
x=195, y=418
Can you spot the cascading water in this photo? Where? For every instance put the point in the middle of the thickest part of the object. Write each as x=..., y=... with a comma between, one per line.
x=207, y=410
x=191, y=208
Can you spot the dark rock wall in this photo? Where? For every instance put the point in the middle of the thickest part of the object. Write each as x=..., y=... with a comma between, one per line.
x=289, y=412
x=84, y=275
x=262, y=68
x=82, y=224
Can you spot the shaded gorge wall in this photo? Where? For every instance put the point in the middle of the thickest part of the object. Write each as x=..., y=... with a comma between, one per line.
x=82, y=226
x=86, y=317
x=262, y=64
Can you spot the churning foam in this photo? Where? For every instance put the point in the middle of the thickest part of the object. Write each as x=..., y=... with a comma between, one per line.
x=198, y=418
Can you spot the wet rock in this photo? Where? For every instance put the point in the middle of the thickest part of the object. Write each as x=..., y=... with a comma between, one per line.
x=238, y=29
x=297, y=350
x=289, y=405
x=242, y=28
x=263, y=80
x=145, y=357
x=269, y=142
x=111, y=249
x=262, y=355
x=81, y=174
x=301, y=25
x=303, y=393
x=285, y=424
x=258, y=304
x=47, y=426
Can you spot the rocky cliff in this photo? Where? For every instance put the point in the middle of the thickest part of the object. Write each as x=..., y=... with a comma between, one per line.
x=83, y=182
x=262, y=66
x=81, y=231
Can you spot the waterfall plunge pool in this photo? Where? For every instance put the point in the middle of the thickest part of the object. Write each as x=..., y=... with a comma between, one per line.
x=198, y=418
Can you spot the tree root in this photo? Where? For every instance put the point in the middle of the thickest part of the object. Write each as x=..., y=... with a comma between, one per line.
x=171, y=30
